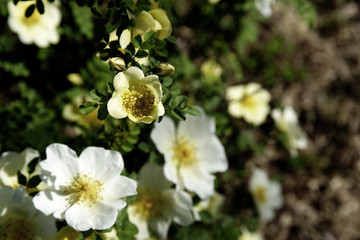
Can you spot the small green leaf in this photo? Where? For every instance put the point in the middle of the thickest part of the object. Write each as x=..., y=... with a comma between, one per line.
x=102, y=112
x=40, y=6
x=143, y=146
x=32, y=165
x=193, y=111
x=149, y=44
x=132, y=139
x=21, y=178
x=88, y=107
x=34, y=181
x=30, y=10
x=166, y=98
x=137, y=41
x=97, y=96
x=167, y=81
x=84, y=235
x=178, y=114
x=130, y=49
x=171, y=39
x=177, y=100
x=127, y=147
x=149, y=35
x=110, y=88
x=141, y=54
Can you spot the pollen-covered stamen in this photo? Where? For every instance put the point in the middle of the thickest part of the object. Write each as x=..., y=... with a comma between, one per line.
x=184, y=152
x=16, y=229
x=260, y=194
x=149, y=205
x=139, y=101
x=84, y=190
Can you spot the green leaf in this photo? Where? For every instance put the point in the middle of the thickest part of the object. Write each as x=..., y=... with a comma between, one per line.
x=127, y=147
x=149, y=35
x=141, y=54
x=21, y=178
x=88, y=107
x=40, y=6
x=149, y=44
x=130, y=49
x=84, y=235
x=34, y=181
x=144, y=146
x=137, y=41
x=193, y=111
x=30, y=10
x=177, y=100
x=171, y=39
x=178, y=114
x=166, y=98
x=167, y=81
x=32, y=165
x=102, y=112
x=97, y=96
x=110, y=88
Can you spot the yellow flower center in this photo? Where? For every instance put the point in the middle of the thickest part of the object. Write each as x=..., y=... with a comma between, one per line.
x=149, y=205
x=84, y=190
x=184, y=153
x=249, y=102
x=260, y=194
x=33, y=19
x=18, y=229
x=139, y=101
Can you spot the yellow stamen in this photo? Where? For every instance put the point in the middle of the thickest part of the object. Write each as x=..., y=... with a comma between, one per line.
x=139, y=101
x=149, y=205
x=184, y=153
x=260, y=194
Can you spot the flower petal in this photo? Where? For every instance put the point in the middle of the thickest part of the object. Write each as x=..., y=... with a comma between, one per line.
x=115, y=106
x=118, y=188
x=212, y=155
x=151, y=177
x=140, y=222
x=51, y=202
x=160, y=226
x=181, y=208
x=163, y=135
x=121, y=81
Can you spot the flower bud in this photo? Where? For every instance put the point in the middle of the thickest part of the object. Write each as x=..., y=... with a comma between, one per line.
x=164, y=69
x=117, y=64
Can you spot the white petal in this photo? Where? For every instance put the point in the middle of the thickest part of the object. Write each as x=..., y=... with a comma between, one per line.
x=163, y=135
x=43, y=226
x=60, y=166
x=211, y=154
x=140, y=222
x=235, y=92
x=100, y=163
x=197, y=180
x=118, y=188
x=171, y=171
x=121, y=81
x=181, y=207
x=160, y=226
x=115, y=106
x=134, y=73
x=151, y=177
x=125, y=38
x=51, y=202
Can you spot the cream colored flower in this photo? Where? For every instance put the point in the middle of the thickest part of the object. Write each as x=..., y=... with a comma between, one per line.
x=157, y=204
x=12, y=162
x=246, y=235
x=264, y=7
x=211, y=70
x=266, y=193
x=248, y=101
x=38, y=28
x=19, y=220
x=136, y=96
x=68, y=233
x=87, y=191
x=211, y=205
x=287, y=122
x=192, y=153
x=154, y=20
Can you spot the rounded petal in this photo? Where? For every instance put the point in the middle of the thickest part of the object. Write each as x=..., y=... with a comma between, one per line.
x=235, y=92
x=160, y=16
x=212, y=155
x=140, y=222
x=163, y=135
x=125, y=38
x=121, y=81
x=100, y=163
x=51, y=202
x=119, y=187
x=115, y=106
x=171, y=171
x=160, y=226
x=197, y=180
x=144, y=22
x=181, y=207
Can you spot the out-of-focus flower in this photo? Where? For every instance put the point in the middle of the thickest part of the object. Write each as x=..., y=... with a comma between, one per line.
x=12, y=162
x=75, y=78
x=211, y=205
x=154, y=20
x=117, y=64
x=246, y=235
x=136, y=96
x=264, y=7
x=68, y=233
x=211, y=70
x=192, y=152
x=19, y=219
x=248, y=101
x=87, y=191
x=266, y=193
x=164, y=69
x=71, y=113
x=287, y=122
x=38, y=28
x=157, y=204
x=214, y=1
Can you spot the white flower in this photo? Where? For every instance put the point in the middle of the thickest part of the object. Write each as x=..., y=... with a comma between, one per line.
x=157, y=204
x=87, y=191
x=20, y=220
x=248, y=101
x=246, y=235
x=266, y=193
x=38, y=28
x=12, y=162
x=264, y=7
x=192, y=152
x=136, y=96
x=211, y=70
x=287, y=122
